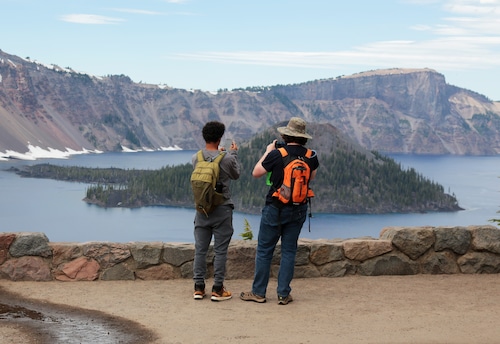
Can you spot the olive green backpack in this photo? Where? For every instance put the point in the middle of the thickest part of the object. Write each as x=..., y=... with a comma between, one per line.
x=203, y=182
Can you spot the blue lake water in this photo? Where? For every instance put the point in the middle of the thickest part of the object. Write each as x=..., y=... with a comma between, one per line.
x=56, y=208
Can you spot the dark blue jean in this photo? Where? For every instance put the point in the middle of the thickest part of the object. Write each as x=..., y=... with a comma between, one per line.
x=275, y=224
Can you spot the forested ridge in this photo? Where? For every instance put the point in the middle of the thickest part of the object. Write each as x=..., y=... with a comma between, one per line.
x=349, y=180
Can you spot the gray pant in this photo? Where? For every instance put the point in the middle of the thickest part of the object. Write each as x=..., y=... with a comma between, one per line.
x=218, y=224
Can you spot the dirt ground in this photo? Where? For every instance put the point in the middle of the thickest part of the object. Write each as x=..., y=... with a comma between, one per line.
x=355, y=309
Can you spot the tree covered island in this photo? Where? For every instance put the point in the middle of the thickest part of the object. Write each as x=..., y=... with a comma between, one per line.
x=350, y=180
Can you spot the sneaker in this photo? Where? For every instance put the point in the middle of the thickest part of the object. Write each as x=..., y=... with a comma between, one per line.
x=249, y=296
x=199, y=291
x=220, y=294
x=285, y=300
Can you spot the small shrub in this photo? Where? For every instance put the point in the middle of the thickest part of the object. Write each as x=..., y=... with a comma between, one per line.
x=247, y=233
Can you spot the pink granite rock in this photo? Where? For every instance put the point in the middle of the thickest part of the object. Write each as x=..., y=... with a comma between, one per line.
x=80, y=269
x=28, y=268
x=5, y=240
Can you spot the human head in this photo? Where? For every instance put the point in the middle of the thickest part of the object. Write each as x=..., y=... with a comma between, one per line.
x=213, y=131
x=291, y=139
x=295, y=131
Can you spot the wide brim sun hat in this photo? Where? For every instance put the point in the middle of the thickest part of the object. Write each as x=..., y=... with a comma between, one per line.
x=296, y=127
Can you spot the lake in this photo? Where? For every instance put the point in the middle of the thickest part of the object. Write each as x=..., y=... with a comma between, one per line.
x=56, y=208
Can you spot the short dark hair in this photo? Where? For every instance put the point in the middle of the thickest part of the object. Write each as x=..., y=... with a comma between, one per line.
x=292, y=139
x=213, y=131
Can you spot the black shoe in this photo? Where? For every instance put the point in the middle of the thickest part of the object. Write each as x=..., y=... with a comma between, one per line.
x=199, y=291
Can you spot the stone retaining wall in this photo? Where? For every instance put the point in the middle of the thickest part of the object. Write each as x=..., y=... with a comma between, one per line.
x=398, y=251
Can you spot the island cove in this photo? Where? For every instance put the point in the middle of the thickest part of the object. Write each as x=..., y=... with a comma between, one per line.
x=350, y=180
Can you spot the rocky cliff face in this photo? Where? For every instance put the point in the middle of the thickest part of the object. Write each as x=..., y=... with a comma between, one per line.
x=400, y=111
x=404, y=111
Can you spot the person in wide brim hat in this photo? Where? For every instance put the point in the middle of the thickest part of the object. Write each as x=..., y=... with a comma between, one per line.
x=285, y=210
x=296, y=127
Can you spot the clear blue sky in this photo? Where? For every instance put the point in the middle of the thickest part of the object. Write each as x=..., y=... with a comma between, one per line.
x=217, y=44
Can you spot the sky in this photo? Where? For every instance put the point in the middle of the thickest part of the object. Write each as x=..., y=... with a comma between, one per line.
x=225, y=44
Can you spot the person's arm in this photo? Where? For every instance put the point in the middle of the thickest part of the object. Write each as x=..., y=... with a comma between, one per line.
x=315, y=165
x=235, y=168
x=313, y=174
x=259, y=170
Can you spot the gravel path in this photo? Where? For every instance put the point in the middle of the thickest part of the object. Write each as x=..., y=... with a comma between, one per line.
x=355, y=309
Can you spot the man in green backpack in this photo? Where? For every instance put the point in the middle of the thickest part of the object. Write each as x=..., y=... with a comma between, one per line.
x=216, y=221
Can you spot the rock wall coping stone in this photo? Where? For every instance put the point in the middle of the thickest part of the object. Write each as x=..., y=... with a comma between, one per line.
x=26, y=256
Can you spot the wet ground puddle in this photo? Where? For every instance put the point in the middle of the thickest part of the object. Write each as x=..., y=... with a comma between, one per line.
x=52, y=323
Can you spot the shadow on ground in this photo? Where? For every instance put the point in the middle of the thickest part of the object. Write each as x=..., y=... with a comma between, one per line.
x=53, y=323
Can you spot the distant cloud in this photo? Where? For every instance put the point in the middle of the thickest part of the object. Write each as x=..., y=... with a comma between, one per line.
x=90, y=19
x=445, y=54
x=467, y=39
x=421, y=2
x=137, y=11
x=482, y=7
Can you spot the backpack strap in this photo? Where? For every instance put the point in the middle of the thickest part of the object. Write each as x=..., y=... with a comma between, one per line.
x=309, y=153
x=217, y=159
x=284, y=152
x=200, y=156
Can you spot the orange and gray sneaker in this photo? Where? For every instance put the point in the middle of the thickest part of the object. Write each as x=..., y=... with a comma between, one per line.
x=219, y=293
x=199, y=291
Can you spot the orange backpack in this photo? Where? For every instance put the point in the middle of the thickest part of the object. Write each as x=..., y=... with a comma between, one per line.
x=296, y=175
